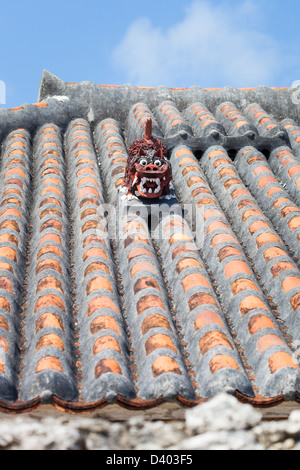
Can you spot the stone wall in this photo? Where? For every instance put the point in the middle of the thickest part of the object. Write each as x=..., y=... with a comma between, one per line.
x=223, y=423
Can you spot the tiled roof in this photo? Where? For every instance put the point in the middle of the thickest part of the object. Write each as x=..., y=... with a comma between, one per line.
x=105, y=300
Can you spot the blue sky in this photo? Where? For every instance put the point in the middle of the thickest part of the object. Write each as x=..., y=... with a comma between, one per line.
x=211, y=43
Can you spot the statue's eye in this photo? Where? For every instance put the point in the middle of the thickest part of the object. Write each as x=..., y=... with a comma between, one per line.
x=157, y=162
x=143, y=162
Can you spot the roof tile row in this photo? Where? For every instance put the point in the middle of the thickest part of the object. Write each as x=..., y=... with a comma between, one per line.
x=48, y=310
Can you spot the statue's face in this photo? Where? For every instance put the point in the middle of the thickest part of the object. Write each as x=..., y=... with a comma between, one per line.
x=150, y=174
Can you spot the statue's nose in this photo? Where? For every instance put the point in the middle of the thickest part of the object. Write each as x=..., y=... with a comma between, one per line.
x=151, y=168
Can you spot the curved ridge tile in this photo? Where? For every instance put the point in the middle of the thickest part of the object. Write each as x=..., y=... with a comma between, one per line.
x=286, y=167
x=15, y=177
x=113, y=155
x=136, y=120
x=234, y=122
x=239, y=289
x=202, y=121
x=102, y=331
x=171, y=120
x=48, y=363
x=293, y=132
x=264, y=122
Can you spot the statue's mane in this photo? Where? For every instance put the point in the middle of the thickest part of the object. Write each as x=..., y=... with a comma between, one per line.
x=148, y=142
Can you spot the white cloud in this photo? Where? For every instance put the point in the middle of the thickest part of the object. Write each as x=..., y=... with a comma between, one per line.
x=213, y=46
